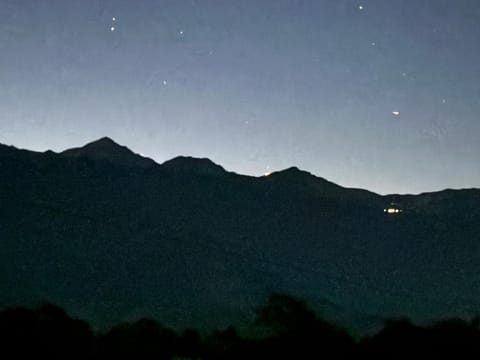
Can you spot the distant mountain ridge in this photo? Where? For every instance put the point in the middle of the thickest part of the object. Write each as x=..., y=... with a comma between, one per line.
x=112, y=235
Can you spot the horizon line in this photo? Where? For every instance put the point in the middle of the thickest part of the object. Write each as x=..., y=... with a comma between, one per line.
x=108, y=138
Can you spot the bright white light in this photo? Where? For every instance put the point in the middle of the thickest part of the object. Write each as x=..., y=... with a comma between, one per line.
x=267, y=173
x=392, y=211
x=360, y=7
x=112, y=28
x=114, y=19
x=396, y=113
x=181, y=32
x=164, y=82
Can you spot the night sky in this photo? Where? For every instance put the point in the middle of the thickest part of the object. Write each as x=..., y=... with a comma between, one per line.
x=377, y=94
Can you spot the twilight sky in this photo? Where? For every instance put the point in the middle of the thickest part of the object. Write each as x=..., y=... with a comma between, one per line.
x=378, y=94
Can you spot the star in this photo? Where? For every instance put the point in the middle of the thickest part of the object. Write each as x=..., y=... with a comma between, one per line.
x=112, y=28
x=181, y=32
x=360, y=7
x=164, y=82
x=114, y=19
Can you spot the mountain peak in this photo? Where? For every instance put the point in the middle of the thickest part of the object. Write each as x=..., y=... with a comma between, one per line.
x=107, y=149
x=202, y=166
x=305, y=180
x=104, y=144
x=292, y=172
x=104, y=141
x=102, y=147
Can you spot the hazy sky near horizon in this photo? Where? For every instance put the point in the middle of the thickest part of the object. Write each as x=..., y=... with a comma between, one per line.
x=377, y=94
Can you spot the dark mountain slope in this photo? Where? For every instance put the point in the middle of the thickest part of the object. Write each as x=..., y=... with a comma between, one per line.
x=111, y=235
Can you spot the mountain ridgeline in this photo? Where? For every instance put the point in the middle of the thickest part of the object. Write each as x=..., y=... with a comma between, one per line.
x=112, y=236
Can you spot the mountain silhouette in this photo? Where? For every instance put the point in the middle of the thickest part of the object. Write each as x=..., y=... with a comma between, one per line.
x=108, y=150
x=111, y=236
x=199, y=166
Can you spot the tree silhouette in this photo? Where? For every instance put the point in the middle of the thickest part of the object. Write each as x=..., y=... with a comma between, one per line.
x=139, y=340
x=297, y=331
x=46, y=331
x=294, y=331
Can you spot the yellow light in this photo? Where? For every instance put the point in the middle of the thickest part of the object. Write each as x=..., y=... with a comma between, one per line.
x=267, y=173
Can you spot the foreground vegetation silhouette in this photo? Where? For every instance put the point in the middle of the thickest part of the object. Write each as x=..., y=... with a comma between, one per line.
x=290, y=330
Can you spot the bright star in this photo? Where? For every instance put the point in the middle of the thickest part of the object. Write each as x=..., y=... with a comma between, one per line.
x=360, y=7
x=112, y=28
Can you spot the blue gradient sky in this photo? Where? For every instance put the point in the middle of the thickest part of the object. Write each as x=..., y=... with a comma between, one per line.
x=255, y=85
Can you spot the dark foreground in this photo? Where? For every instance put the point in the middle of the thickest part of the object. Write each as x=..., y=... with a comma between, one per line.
x=289, y=331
